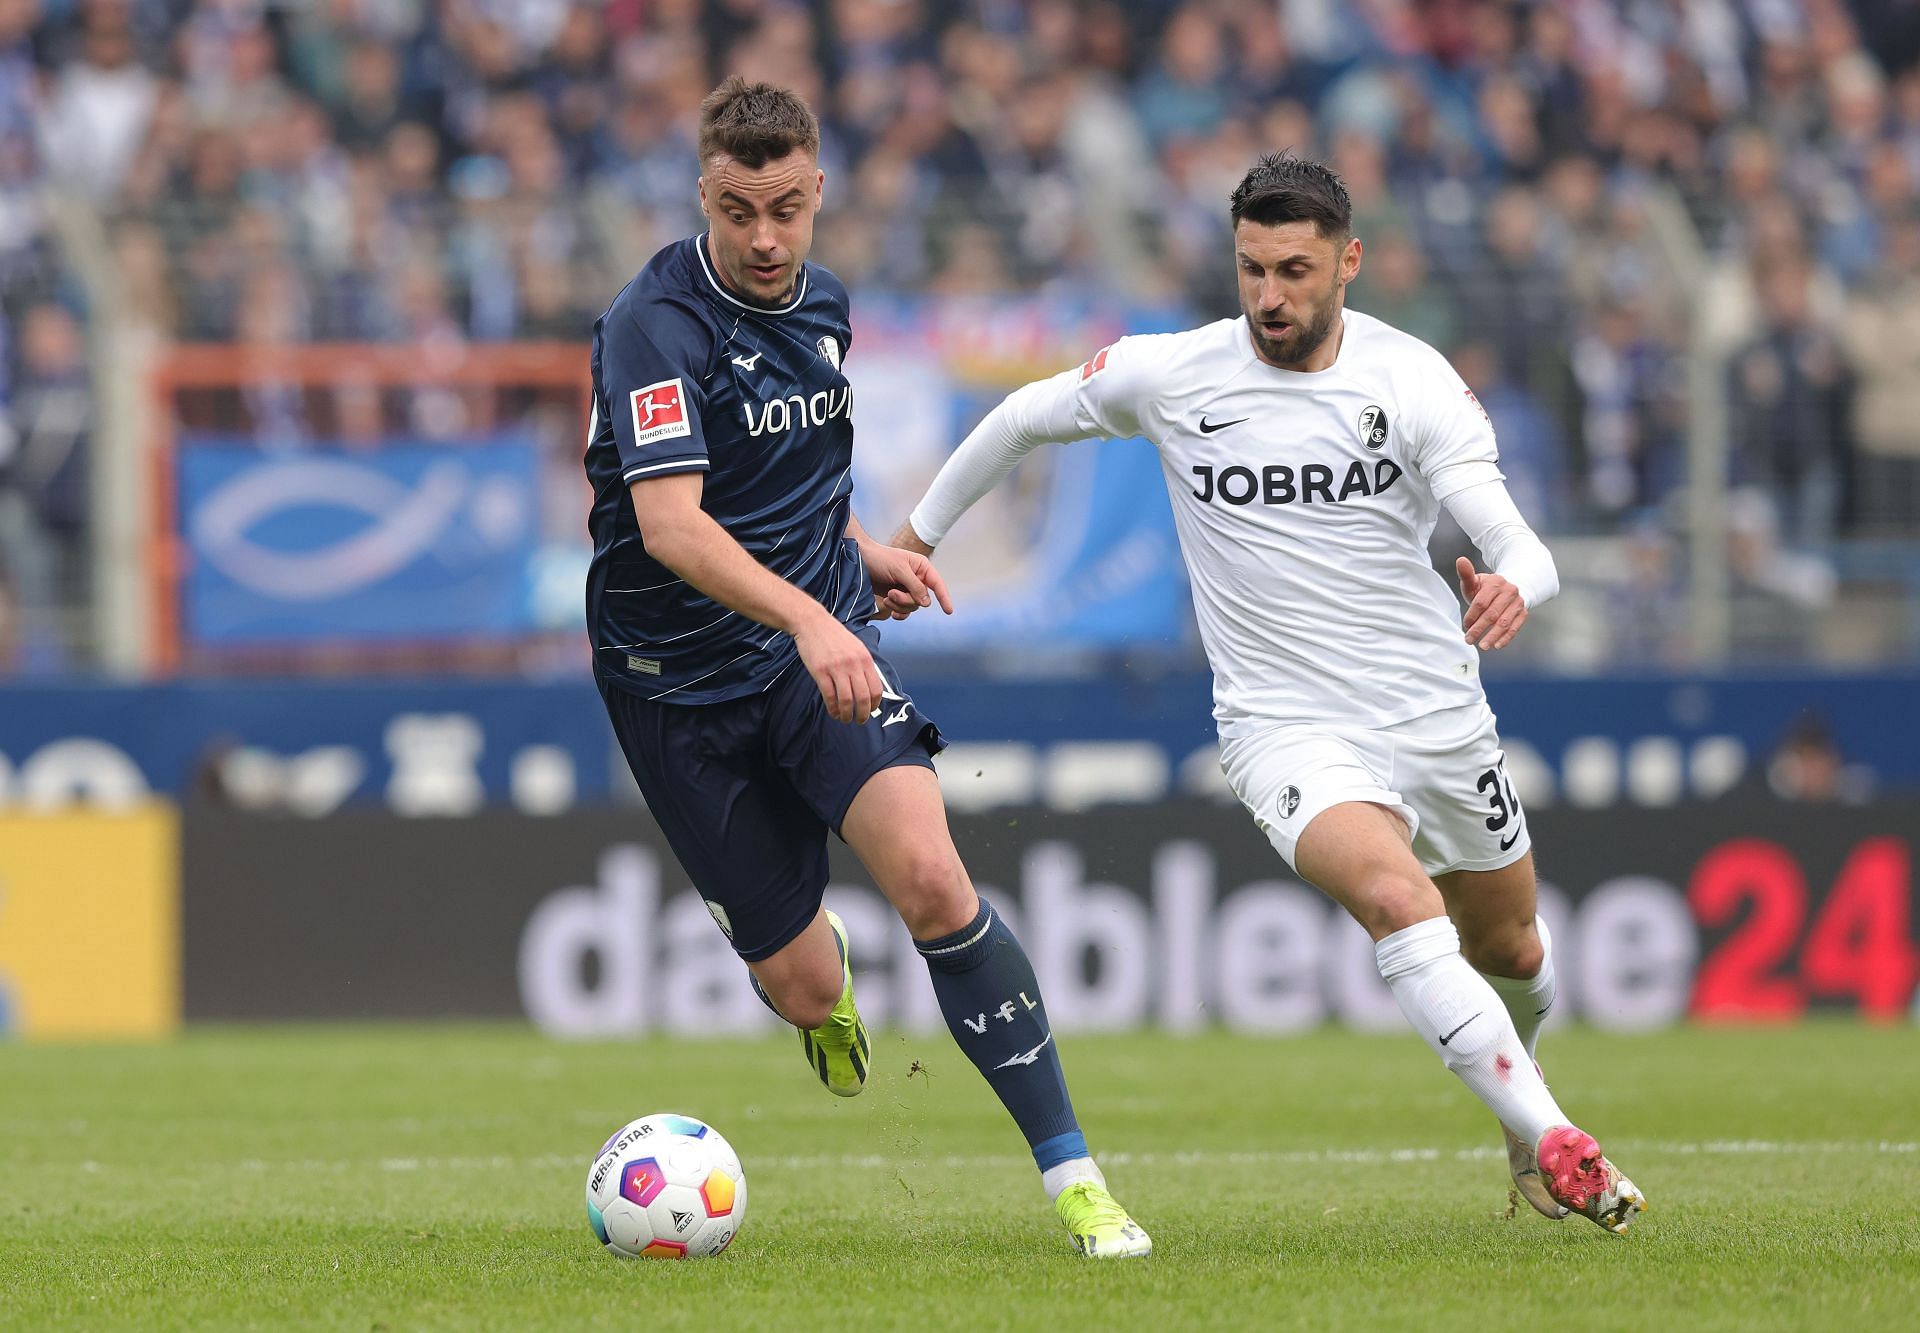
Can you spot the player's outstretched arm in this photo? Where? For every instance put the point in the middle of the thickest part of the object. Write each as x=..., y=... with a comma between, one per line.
x=683, y=537
x=1044, y=412
x=1498, y=602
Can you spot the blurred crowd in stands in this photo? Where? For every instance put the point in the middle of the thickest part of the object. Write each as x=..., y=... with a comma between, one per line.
x=1575, y=199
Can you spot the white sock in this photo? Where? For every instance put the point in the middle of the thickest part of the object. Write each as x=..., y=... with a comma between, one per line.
x=1463, y=1020
x=1057, y=1178
x=1529, y=998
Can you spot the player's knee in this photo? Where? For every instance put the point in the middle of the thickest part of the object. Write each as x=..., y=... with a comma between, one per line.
x=933, y=894
x=1391, y=901
x=1508, y=951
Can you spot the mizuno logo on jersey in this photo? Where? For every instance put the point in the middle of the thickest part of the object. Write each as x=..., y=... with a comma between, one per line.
x=783, y=414
x=659, y=412
x=1279, y=484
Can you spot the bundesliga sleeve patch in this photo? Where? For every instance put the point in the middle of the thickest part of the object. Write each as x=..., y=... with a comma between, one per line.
x=1095, y=366
x=659, y=412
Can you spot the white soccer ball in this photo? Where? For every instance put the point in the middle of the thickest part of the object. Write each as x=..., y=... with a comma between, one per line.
x=666, y=1187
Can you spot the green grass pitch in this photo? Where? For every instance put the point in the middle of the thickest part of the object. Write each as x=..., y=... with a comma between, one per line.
x=430, y=1178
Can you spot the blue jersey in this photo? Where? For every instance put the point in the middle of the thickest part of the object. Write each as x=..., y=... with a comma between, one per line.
x=687, y=377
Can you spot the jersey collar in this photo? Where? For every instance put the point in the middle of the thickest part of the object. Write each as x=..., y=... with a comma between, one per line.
x=706, y=267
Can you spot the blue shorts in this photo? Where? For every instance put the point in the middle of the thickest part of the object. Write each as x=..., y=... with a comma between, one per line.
x=746, y=790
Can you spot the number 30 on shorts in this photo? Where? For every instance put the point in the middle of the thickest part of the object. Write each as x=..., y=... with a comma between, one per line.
x=1500, y=799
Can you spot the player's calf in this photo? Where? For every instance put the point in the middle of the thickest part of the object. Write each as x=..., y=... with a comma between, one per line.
x=804, y=982
x=820, y=1004
x=1465, y=1023
x=993, y=1007
x=838, y=1047
x=804, y=1010
x=986, y=989
x=992, y=1003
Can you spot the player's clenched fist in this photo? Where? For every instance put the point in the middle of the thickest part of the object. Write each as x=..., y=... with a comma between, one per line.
x=842, y=668
x=1495, y=609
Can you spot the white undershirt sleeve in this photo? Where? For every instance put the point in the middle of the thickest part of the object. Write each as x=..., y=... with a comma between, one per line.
x=1490, y=518
x=1039, y=413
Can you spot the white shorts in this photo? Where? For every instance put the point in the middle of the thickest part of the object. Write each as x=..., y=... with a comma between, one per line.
x=1444, y=773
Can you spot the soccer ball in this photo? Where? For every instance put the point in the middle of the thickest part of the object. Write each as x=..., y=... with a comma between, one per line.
x=666, y=1187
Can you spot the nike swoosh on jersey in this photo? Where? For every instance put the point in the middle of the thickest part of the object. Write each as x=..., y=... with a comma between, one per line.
x=1209, y=427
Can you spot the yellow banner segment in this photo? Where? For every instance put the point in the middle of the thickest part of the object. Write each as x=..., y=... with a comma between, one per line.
x=90, y=924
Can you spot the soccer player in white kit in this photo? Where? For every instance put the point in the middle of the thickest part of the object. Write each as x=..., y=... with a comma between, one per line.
x=1307, y=449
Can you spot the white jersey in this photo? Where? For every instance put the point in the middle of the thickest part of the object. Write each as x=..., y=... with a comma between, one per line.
x=1304, y=502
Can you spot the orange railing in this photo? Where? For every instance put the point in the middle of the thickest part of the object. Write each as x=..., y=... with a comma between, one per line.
x=560, y=368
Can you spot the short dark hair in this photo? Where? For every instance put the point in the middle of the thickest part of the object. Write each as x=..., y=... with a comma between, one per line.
x=755, y=123
x=1283, y=187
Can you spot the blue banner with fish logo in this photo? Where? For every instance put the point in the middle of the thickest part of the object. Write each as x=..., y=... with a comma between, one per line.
x=408, y=541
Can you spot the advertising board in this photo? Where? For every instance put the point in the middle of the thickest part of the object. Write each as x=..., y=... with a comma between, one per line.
x=1178, y=916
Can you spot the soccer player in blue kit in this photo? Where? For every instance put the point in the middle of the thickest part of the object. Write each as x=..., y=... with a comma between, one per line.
x=730, y=603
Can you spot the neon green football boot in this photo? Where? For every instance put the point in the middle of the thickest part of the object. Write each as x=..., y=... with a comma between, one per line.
x=839, y=1050
x=1098, y=1224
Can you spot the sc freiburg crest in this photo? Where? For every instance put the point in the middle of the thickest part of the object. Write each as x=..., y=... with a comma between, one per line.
x=1373, y=427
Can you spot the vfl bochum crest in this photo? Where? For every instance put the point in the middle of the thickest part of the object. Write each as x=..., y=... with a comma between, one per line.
x=830, y=350
x=1373, y=427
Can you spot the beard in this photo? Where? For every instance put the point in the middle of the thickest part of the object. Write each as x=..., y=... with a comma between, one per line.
x=1298, y=343
x=760, y=292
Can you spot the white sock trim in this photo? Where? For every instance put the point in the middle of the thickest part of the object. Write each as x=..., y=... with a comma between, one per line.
x=1056, y=1178
x=1412, y=948
x=967, y=943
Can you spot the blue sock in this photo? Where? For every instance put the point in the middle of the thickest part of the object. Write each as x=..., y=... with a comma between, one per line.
x=991, y=1001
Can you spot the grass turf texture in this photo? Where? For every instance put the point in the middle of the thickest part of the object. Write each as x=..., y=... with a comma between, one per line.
x=364, y=1178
